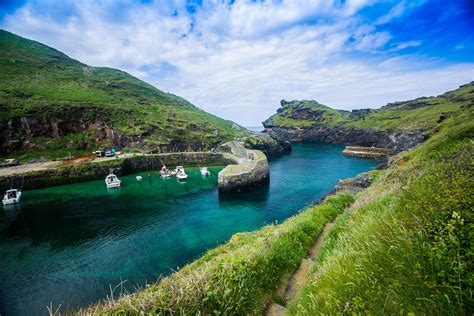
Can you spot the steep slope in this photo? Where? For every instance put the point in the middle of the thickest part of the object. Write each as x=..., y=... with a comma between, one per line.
x=51, y=104
x=397, y=126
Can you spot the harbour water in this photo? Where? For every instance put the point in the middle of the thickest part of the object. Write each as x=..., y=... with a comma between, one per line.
x=67, y=245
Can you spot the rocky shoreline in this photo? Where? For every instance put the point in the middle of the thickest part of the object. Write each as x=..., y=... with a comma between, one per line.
x=395, y=142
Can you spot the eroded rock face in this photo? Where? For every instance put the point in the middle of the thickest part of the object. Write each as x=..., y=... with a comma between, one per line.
x=271, y=145
x=395, y=142
x=249, y=170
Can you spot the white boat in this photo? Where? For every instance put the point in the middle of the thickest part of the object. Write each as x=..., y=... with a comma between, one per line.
x=139, y=178
x=205, y=172
x=112, y=181
x=165, y=172
x=181, y=174
x=11, y=197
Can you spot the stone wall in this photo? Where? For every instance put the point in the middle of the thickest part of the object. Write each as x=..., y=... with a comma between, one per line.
x=366, y=152
x=249, y=170
x=98, y=170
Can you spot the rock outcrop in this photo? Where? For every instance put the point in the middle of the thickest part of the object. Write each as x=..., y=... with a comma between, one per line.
x=271, y=145
x=394, y=141
x=250, y=168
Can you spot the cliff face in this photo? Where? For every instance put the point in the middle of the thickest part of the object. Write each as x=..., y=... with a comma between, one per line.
x=396, y=126
x=394, y=141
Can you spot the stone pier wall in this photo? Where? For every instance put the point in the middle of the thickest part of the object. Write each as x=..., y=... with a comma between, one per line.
x=89, y=171
x=366, y=152
x=249, y=168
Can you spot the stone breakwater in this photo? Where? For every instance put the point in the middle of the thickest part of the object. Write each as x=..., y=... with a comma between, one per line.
x=249, y=170
x=365, y=152
x=89, y=171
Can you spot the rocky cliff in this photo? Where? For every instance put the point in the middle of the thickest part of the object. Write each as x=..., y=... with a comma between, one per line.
x=396, y=126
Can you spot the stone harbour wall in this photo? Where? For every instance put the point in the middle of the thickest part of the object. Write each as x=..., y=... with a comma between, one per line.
x=249, y=169
x=89, y=171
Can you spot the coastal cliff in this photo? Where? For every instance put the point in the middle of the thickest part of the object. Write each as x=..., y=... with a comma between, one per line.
x=397, y=126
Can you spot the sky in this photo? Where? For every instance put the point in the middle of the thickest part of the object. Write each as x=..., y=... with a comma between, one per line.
x=238, y=59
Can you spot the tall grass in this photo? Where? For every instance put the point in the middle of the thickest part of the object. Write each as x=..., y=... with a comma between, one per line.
x=240, y=277
x=409, y=247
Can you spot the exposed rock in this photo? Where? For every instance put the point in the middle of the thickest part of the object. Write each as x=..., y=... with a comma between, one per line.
x=250, y=168
x=395, y=142
x=271, y=145
x=353, y=185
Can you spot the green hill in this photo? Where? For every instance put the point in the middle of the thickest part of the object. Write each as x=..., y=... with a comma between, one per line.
x=397, y=126
x=51, y=105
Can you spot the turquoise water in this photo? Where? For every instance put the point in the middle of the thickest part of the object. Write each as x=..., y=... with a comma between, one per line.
x=68, y=244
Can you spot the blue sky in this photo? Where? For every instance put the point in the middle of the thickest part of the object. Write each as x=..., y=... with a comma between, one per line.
x=238, y=59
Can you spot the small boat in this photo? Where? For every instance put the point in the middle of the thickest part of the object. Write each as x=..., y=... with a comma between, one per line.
x=181, y=174
x=205, y=172
x=11, y=197
x=112, y=181
x=139, y=178
x=165, y=172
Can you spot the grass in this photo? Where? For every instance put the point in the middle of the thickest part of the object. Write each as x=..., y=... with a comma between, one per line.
x=45, y=86
x=405, y=246
x=239, y=277
x=421, y=114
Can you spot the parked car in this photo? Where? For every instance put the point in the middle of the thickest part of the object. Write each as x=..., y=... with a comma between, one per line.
x=109, y=153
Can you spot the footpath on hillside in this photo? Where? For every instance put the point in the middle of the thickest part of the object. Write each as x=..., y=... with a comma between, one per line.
x=289, y=290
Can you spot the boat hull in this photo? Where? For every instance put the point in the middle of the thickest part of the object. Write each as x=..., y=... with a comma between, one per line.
x=12, y=201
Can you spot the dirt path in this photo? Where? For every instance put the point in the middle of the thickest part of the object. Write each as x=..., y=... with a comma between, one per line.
x=294, y=284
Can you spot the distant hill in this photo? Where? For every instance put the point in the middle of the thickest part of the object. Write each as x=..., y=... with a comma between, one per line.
x=52, y=105
x=397, y=126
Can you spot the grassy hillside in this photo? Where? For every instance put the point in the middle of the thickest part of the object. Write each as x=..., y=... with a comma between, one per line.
x=51, y=104
x=420, y=114
x=405, y=245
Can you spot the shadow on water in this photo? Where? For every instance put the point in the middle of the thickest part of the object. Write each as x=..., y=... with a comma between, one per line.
x=257, y=196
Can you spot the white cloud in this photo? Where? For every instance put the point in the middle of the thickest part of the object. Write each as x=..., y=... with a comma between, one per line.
x=395, y=12
x=238, y=62
x=408, y=44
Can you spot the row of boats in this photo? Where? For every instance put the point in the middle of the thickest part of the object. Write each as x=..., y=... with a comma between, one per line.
x=112, y=181
x=13, y=196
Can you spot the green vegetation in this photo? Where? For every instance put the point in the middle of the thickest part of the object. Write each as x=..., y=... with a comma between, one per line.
x=406, y=245
x=422, y=114
x=403, y=246
x=48, y=89
x=240, y=277
x=305, y=113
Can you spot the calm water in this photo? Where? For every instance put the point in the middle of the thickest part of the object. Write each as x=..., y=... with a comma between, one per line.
x=67, y=244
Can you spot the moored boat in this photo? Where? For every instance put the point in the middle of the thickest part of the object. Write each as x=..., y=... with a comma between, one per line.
x=165, y=172
x=11, y=197
x=204, y=172
x=112, y=181
x=181, y=173
x=139, y=178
